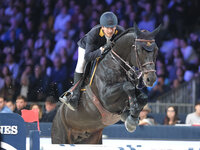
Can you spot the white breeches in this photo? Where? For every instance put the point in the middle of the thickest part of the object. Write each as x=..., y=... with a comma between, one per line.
x=81, y=61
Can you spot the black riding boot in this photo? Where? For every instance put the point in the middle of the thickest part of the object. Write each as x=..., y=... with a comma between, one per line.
x=73, y=101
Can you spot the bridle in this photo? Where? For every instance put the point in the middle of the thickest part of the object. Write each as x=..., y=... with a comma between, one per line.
x=137, y=74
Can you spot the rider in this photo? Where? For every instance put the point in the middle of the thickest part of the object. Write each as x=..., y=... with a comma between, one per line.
x=93, y=45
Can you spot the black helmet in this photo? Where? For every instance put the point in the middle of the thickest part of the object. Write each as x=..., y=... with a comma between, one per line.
x=108, y=19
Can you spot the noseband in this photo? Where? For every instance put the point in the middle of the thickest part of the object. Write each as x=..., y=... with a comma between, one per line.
x=137, y=73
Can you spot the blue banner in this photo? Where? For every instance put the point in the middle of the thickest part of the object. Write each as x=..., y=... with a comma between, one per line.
x=13, y=132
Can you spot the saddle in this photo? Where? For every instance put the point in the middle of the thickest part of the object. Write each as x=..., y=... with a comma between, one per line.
x=87, y=78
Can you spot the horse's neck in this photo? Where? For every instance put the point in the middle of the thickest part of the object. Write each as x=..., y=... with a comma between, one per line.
x=123, y=45
x=124, y=48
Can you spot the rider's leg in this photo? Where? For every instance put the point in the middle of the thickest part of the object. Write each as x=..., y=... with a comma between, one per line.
x=73, y=102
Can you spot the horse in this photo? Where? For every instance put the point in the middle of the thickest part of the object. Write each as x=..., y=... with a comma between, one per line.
x=113, y=93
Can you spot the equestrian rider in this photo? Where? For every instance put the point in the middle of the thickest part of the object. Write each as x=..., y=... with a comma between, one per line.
x=93, y=45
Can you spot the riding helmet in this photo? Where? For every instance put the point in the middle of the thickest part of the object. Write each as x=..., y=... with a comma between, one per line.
x=108, y=19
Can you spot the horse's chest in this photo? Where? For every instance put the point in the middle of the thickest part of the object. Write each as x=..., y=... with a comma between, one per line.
x=114, y=75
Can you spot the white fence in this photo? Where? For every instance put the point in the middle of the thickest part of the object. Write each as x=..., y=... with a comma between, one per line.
x=183, y=97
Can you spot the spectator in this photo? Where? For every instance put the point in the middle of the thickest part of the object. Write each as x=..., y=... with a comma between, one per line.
x=146, y=23
x=58, y=75
x=6, y=71
x=3, y=107
x=194, y=42
x=175, y=84
x=60, y=21
x=194, y=118
x=1, y=83
x=24, y=85
x=158, y=89
x=64, y=56
x=50, y=110
x=38, y=85
x=48, y=46
x=171, y=117
x=30, y=44
x=176, y=11
x=29, y=29
x=10, y=105
x=70, y=47
x=14, y=27
x=37, y=107
x=48, y=17
x=174, y=62
x=189, y=54
x=12, y=65
x=180, y=74
x=40, y=39
x=45, y=64
x=144, y=118
x=21, y=103
x=132, y=19
x=25, y=56
x=10, y=90
x=59, y=44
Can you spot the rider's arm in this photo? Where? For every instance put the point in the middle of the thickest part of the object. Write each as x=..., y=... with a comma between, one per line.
x=91, y=52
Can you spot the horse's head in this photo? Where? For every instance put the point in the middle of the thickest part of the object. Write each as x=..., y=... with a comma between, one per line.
x=145, y=51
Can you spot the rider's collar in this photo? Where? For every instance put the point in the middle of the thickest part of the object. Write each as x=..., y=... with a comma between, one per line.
x=102, y=34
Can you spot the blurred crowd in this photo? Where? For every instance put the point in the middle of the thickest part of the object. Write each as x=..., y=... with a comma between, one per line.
x=48, y=112
x=45, y=114
x=171, y=117
x=38, y=50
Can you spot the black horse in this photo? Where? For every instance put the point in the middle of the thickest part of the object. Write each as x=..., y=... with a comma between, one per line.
x=112, y=94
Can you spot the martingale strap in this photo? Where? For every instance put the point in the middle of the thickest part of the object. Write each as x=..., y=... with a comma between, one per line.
x=107, y=117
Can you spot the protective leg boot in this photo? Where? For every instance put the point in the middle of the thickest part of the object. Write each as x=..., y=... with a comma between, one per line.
x=73, y=101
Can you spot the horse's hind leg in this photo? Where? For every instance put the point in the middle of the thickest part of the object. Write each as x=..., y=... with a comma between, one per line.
x=58, y=133
x=97, y=137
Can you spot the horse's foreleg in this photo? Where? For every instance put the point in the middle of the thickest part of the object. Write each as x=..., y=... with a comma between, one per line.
x=130, y=91
x=137, y=100
x=133, y=119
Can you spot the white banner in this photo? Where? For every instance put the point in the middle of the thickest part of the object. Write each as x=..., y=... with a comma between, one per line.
x=122, y=144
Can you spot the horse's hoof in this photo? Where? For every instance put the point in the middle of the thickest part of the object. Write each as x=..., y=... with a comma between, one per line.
x=124, y=115
x=131, y=123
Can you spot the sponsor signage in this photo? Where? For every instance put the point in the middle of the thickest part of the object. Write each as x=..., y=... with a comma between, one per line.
x=13, y=132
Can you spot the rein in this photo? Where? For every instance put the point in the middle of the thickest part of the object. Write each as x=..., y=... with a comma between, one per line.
x=140, y=67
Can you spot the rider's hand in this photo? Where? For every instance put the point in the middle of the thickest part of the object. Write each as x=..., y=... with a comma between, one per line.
x=107, y=46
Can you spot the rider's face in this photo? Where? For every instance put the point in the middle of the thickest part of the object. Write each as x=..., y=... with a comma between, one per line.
x=108, y=31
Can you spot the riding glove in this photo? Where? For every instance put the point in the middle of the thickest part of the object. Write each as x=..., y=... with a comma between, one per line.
x=108, y=46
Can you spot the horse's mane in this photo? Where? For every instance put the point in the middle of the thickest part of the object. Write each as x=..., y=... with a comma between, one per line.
x=129, y=30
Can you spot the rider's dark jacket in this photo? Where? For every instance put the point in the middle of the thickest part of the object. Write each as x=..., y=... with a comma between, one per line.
x=94, y=39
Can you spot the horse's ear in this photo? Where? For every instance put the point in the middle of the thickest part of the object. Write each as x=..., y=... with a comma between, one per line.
x=153, y=33
x=137, y=30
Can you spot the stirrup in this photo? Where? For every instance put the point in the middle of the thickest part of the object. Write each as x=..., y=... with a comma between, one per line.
x=65, y=98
